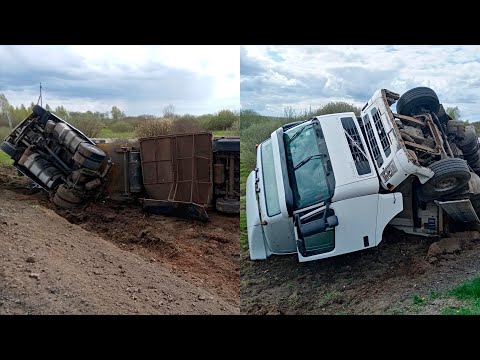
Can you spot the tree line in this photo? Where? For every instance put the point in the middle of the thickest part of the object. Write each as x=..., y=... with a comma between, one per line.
x=91, y=123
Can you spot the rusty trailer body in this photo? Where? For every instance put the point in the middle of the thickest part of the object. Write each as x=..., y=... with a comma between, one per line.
x=178, y=174
x=177, y=168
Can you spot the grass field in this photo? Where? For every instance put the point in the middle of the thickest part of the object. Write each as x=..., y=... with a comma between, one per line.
x=107, y=133
x=5, y=159
x=469, y=294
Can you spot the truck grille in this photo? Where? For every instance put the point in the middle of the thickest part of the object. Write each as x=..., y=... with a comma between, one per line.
x=381, y=132
x=356, y=146
x=372, y=141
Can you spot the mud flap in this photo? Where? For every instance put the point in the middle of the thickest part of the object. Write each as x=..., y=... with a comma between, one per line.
x=459, y=210
x=175, y=208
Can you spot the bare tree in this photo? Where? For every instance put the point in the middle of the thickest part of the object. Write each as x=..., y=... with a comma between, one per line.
x=169, y=111
x=289, y=112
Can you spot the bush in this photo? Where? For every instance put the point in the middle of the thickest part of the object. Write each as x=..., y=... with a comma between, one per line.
x=254, y=135
x=121, y=126
x=90, y=127
x=249, y=117
x=223, y=120
x=337, y=107
x=185, y=125
x=154, y=127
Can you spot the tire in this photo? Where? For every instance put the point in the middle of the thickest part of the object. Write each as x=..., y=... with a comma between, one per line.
x=9, y=149
x=475, y=164
x=38, y=110
x=471, y=152
x=57, y=200
x=469, y=141
x=411, y=101
x=91, y=152
x=71, y=196
x=472, y=158
x=84, y=162
x=228, y=206
x=453, y=125
x=450, y=176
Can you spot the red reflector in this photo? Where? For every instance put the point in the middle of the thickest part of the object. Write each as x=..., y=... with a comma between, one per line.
x=264, y=222
x=391, y=187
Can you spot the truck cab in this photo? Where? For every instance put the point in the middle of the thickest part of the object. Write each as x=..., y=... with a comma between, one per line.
x=329, y=185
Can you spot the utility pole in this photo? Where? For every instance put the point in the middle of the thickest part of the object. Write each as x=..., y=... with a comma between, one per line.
x=40, y=100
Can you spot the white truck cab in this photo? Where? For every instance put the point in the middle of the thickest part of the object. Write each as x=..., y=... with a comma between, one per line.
x=328, y=186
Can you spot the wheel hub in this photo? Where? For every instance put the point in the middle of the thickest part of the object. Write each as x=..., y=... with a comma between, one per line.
x=446, y=184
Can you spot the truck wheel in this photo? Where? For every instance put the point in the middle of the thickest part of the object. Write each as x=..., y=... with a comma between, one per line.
x=450, y=176
x=469, y=141
x=83, y=161
x=228, y=206
x=453, y=127
x=71, y=196
x=472, y=158
x=38, y=110
x=91, y=152
x=9, y=149
x=57, y=200
x=414, y=99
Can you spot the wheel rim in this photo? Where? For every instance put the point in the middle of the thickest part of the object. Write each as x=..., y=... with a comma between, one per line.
x=446, y=184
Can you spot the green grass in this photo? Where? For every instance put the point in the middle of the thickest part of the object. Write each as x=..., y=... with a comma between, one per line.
x=108, y=133
x=5, y=159
x=469, y=294
x=417, y=300
x=468, y=291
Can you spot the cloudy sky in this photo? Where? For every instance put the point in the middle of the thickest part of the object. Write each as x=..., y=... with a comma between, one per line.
x=275, y=77
x=138, y=79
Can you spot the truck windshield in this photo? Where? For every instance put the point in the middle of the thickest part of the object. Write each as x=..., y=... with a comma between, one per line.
x=306, y=154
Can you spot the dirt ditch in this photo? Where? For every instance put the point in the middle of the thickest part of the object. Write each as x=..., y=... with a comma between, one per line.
x=382, y=280
x=205, y=256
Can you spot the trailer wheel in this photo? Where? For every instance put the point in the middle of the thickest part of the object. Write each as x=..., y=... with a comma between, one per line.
x=91, y=152
x=469, y=141
x=472, y=158
x=9, y=149
x=453, y=127
x=57, y=200
x=450, y=176
x=414, y=99
x=71, y=196
x=88, y=163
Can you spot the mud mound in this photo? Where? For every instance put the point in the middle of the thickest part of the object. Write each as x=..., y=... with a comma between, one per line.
x=205, y=254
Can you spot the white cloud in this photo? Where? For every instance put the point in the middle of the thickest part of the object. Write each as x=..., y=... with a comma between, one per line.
x=138, y=79
x=303, y=76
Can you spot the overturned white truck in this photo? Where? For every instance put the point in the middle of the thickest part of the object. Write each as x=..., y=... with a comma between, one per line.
x=329, y=185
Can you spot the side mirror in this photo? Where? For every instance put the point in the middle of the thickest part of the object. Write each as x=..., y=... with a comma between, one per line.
x=317, y=226
x=332, y=221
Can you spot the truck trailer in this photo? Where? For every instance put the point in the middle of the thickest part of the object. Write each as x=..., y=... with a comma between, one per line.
x=176, y=174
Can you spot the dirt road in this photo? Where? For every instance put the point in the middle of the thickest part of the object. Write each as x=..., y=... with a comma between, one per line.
x=110, y=259
x=382, y=280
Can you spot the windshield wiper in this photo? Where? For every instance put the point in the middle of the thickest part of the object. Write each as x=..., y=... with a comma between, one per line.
x=307, y=159
x=298, y=133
